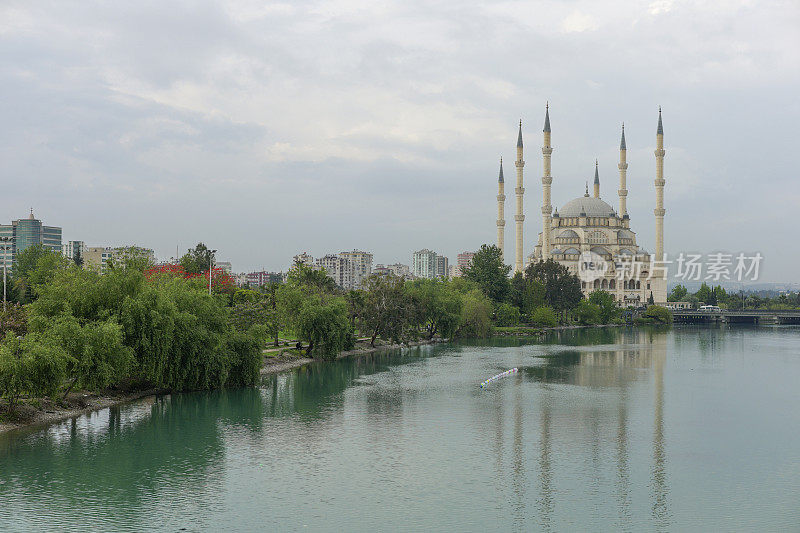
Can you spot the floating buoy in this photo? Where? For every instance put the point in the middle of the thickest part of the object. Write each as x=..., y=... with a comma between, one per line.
x=498, y=376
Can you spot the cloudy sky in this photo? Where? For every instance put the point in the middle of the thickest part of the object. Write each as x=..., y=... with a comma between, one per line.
x=265, y=129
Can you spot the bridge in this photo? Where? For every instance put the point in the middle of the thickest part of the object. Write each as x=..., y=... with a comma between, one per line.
x=742, y=316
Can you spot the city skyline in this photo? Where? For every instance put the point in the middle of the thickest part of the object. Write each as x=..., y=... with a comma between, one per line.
x=264, y=130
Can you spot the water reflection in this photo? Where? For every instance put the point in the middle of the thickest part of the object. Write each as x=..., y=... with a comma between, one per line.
x=579, y=439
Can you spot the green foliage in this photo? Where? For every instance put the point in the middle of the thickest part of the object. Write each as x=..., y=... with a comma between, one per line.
x=325, y=327
x=656, y=314
x=609, y=310
x=437, y=307
x=587, y=313
x=544, y=316
x=678, y=294
x=14, y=319
x=386, y=308
x=526, y=294
x=130, y=258
x=33, y=366
x=562, y=290
x=705, y=295
x=197, y=260
x=506, y=315
x=97, y=356
x=34, y=267
x=311, y=280
x=488, y=271
x=173, y=334
x=476, y=315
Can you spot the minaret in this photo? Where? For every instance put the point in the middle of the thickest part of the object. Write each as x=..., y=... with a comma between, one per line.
x=501, y=216
x=596, y=181
x=623, y=172
x=519, y=218
x=547, y=180
x=659, y=210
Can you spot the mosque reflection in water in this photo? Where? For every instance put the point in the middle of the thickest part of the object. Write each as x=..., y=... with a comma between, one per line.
x=608, y=363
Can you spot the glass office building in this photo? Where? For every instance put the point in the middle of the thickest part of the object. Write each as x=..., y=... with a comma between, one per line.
x=16, y=237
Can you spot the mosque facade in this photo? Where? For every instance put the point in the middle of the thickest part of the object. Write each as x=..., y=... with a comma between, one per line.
x=587, y=235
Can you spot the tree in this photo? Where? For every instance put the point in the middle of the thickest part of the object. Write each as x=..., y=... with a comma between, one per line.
x=14, y=319
x=35, y=266
x=97, y=355
x=476, y=315
x=587, y=313
x=526, y=294
x=544, y=316
x=311, y=280
x=605, y=301
x=248, y=314
x=31, y=366
x=197, y=260
x=385, y=310
x=657, y=314
x=437, y=307
x=77, y=257
x=488, y=271
x=704, y=294
x=326, y=328
x=506, y=315
x=678, y=294
x=562, y=290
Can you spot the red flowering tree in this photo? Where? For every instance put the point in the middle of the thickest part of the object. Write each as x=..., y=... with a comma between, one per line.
x=221, y=281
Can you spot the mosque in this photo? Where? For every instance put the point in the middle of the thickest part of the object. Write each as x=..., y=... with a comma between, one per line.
x=587, y=225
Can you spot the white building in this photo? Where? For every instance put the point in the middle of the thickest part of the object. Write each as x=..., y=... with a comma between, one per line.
x=362, y=263
x=423, y=264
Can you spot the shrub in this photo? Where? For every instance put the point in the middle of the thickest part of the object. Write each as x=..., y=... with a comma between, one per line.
x=656, y=314
x=544, y=316
x=506, y=315
x=32, y=366
x=476, y=315
x=587, y=313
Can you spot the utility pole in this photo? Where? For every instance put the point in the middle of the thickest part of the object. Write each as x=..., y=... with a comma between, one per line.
x=5, y=248
x=210, y=267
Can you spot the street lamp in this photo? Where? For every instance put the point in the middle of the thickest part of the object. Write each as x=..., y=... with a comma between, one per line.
x=210, y=261
x=4, y=246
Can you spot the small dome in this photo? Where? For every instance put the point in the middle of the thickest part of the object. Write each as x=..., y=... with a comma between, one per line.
x=568, y=234
x=572, y=251
x=625, y=234
x=625, y=251
x=556, y=251
x=591, y=207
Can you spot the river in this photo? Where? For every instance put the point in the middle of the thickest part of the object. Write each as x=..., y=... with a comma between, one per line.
x=692, y=428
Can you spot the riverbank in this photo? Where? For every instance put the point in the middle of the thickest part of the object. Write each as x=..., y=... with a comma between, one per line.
x=43, y=412
x=78, y=403
x=536, y=331
x=279, y=363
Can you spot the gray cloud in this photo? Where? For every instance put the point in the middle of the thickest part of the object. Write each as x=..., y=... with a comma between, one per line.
x=267, y=129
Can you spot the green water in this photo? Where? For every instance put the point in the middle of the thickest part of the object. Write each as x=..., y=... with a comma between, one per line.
x=691, y=429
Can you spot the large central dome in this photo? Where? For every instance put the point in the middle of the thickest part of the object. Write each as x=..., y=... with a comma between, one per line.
x=588, y=206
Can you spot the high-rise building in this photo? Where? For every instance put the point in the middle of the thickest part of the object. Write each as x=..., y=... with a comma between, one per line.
x=442, y=267
x=303, y=259
x=362, y=263
x=463, y=262
x=74, y=251
x=423, y=264
x=27, y=232
x=340, y=270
